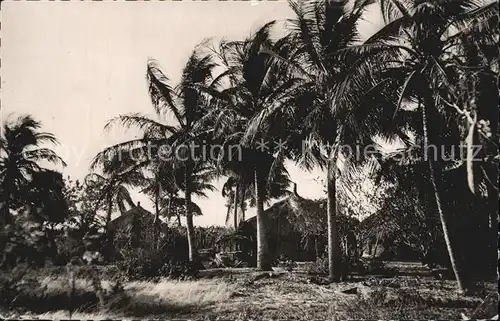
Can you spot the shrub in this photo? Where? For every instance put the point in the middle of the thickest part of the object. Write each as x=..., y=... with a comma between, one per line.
x=149, y=264
x=25, y=241
x=286, y=263
x=320, y=266
x=11, y=285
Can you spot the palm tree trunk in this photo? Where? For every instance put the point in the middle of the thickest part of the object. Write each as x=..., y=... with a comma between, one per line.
x=444, y=223
x=334, y=256
x=189, y=215
x=376, y=245
x=157, y=216
x=109, y=237
x=236, y=207
x=242, y=210
x=263, y=262
x=109, y=211
x=170, y=205
x=4, y=205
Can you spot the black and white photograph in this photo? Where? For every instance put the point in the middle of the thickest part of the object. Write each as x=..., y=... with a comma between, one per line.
x=249, y=160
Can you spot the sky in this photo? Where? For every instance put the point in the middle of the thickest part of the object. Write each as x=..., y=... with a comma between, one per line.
x=75, y=65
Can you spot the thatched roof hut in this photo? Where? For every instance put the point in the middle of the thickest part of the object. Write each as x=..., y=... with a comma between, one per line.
x=386, y=236
x=296, y=228
x=126, y=219
x=134, y=227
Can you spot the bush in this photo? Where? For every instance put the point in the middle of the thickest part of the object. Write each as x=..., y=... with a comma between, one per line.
x=11, y=286
x=286, y=263
x=149, y=264
x=320, y=266
x=25, y=241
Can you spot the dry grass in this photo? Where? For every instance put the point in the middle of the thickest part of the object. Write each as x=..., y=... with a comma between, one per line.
x=199, y=293
x=139, y=298
x=229, y=294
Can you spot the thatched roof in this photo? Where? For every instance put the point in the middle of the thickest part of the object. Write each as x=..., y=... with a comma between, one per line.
x=232, y=237
x=126, y=220
x=298, y=214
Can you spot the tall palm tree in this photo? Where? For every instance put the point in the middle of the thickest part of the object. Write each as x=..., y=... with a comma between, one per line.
x=255, y=82
x=319, y=112
x=21, y=151
x=419, y=54
x=170, y=142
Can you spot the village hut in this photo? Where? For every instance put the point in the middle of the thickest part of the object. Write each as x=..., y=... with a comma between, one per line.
x=134, y=228
x=389, y=237
x=296, y=229
x=127, y=218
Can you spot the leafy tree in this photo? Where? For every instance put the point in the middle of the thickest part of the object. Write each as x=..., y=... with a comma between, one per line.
x=21, y=151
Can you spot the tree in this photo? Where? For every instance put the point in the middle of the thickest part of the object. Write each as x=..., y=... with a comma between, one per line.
x=255, y=82
x=320, y=110
x=21, y=152
x=234, y=190
x=419, y=53
x=173, y=143
x=113, y=192
x=45, y=199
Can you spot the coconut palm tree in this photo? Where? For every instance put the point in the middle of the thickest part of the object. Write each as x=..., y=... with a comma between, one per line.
x=255, y=82
x=21, y=151
x=114, y=191
x=419, y=53
x=237, y=190
x=171, y=142
x=240, y=191
x=231, y=191
x=319, y=112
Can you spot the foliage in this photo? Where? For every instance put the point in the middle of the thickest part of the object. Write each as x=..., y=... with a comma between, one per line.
x=150, y=264
x=84, y=205
x=25, y=240
x=20, y=153
x=13, y=284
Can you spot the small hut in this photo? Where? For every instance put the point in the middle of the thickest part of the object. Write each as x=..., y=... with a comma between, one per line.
x=134, y=227
x=296, y=229
x=381, y=236
x=126, y=219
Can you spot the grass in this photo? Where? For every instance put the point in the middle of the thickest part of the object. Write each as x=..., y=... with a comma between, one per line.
x=240, y=294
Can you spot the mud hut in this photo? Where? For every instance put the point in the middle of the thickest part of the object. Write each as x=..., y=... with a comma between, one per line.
x=296, y=229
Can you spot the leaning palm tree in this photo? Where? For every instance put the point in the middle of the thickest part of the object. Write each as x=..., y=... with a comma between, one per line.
x=256, y=82
x=21, y=151
x=419, y=54
x=170, y=143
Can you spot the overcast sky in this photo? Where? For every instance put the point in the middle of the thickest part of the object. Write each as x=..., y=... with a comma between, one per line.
x=74, y=65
